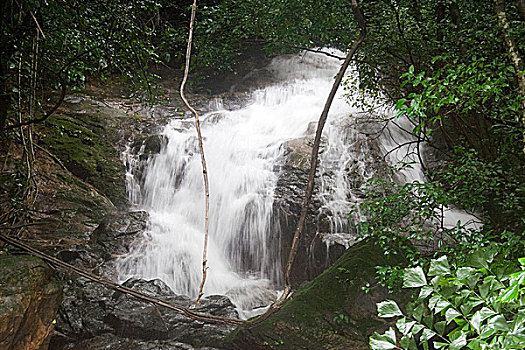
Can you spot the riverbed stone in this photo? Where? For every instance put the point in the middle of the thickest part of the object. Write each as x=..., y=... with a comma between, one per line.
x=29, y=298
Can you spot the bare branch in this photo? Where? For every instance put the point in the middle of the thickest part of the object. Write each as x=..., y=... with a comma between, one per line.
x=315, y=152
x=115, y=286
x=201, y=148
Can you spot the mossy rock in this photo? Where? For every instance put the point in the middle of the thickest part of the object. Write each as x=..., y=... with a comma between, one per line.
x=330, y=312
x=86, y=146
x=29, y=299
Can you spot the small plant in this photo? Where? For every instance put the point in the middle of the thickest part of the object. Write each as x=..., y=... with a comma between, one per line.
x=341, y=318
x=476, y=305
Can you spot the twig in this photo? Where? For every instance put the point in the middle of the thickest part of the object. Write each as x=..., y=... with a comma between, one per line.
x=52, y=156
x=201, y=148
x=37, y=24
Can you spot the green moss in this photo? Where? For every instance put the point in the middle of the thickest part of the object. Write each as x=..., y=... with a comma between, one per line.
x=307, y=320
x=86, y=147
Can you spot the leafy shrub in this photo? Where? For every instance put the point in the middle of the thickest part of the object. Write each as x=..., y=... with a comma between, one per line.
x=477, y=305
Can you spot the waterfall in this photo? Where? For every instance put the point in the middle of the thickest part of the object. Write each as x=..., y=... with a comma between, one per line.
x=245, y=150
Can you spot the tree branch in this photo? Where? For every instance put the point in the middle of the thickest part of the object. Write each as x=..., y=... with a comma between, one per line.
x=315, y=152
x=115, y=286
x=514, y=56
x=201, y=148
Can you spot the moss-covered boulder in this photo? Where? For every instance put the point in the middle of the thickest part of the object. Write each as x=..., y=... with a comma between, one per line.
x=29, y=299
x=330, y=312
x=84, y=136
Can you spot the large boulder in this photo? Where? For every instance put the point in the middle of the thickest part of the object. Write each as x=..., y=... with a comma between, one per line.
x=330, y=312
x=91, y=311
x=29, y=298
x=313, y=255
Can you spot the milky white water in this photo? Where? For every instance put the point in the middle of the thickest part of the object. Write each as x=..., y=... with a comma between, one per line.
x=244, y=152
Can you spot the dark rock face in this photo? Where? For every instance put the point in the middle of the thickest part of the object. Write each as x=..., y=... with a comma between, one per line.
x=92, y=311
x=29, y=298
x=92, y=314
x=313, y=255
x=118, y=232
x=110, y=341
x=311, y=319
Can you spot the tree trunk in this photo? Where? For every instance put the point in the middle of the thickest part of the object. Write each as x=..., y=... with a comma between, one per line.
x=514, y=56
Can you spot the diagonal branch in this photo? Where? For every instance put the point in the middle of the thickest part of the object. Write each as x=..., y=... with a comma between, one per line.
x=315, y=152
x=514, y=55
x=201, y=148
x=115, y=286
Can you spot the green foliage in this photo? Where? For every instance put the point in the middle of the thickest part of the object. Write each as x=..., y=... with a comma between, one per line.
x=478, y=304
x=479, y=88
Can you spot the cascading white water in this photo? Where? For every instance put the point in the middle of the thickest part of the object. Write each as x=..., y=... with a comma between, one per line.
x=244, y=150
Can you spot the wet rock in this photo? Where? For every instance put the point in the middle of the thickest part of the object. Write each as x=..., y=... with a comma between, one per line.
x=148, y=145
x=91, y=310
x=117, y=233
x=130, y=316
x=29, y=298
x=83, y=310
x=313, y=255
x=113, y=342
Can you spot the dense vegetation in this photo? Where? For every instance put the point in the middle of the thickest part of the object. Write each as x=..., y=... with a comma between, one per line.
x=448, y=65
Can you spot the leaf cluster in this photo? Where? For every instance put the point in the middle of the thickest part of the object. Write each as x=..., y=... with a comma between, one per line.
x=478, y=304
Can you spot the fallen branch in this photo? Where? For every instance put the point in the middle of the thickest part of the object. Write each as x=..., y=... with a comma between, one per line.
x=115, y=286
x=201, y=148
x=315, y=152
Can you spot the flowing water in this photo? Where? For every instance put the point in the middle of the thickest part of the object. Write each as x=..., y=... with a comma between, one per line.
x=244, y=150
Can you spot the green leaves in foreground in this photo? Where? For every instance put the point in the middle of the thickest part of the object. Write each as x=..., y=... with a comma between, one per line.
x=474, y=306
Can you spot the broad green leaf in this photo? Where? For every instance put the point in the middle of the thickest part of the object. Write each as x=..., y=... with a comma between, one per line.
x=459, y=342
x=522, y=261
x=481, y=258
x=403, y=326
x=485, y=288
x=388, y=308
x=440, y=327
x=439, y=345
x=498, y=323
x=383, y=341
x=439, y=267
x=414, y=277
x=476, y=321
x=451, y=314
x=485, y=312
x=418, y=312
x=408, y=342
x=510, y=294
x=464, y=272
x=472, y=280
x=441, y=305
x=417, y=328
x=427, y=334
x=466, y=308
x=425, y=292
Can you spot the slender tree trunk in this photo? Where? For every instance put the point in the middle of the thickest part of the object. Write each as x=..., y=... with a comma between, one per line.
x=521, y=8
x=315, y=152
x=514, y=56
x=201, y=149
